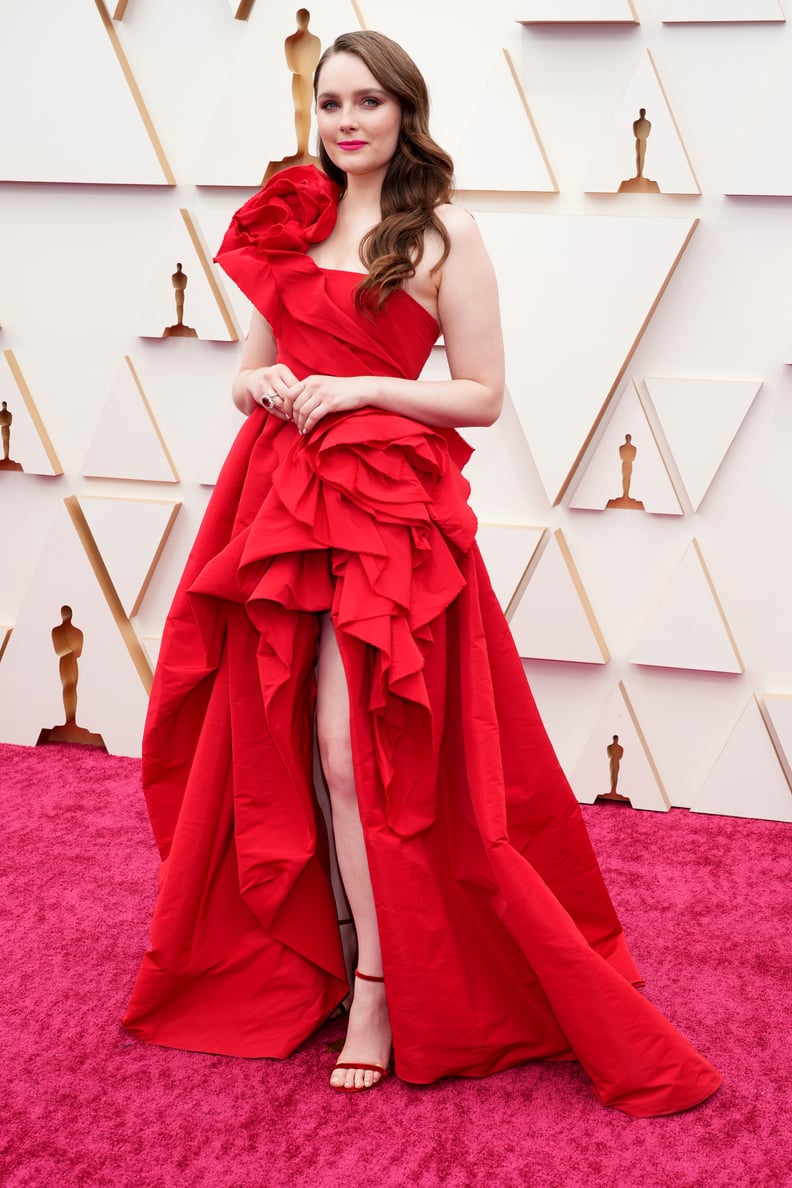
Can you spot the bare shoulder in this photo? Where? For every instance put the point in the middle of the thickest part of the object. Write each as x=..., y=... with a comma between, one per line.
x=458, y=222
x=462, y=264
x=468, y=261
x=464, y=238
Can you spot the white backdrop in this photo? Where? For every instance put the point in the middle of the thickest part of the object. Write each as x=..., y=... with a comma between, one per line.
x=667, y=316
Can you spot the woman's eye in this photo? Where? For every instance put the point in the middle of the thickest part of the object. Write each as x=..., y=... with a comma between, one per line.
x=329, y=105
x=370, y=101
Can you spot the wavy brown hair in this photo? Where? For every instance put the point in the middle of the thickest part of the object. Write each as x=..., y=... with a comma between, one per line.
x=419, y=177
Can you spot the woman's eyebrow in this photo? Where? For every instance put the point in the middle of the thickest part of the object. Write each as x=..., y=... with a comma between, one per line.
x=359, y=91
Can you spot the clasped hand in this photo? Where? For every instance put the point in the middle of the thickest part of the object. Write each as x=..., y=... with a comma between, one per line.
x=305, y=401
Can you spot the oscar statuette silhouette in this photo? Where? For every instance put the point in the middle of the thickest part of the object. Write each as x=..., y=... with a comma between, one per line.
x=627, y=454
x=640, y=184
x=178, y=329
x=6, y=418
x=67, y=642
x=302, y=50
x=615, y=752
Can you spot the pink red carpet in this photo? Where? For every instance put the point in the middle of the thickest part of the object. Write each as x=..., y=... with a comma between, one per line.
x=707, y=905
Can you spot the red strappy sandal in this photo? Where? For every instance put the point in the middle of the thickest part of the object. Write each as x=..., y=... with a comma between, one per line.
x=384, y=1072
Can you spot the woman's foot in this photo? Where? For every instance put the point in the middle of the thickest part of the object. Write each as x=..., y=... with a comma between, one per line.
x=368, y=1039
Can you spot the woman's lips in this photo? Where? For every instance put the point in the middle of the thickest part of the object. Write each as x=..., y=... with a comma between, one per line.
x=350, y=146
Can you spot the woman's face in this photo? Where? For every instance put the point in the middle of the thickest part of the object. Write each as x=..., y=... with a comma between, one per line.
x=359, y=121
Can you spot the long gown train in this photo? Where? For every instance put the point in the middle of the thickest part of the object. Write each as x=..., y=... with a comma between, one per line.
x=500, y=943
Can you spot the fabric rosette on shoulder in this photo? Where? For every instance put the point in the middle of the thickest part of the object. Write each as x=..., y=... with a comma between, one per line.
x=295, y=208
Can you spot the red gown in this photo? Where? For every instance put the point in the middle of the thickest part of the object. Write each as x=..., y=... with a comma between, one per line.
x=499, y=941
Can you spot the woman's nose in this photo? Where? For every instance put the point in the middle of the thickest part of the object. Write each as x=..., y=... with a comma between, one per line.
x=349, y=118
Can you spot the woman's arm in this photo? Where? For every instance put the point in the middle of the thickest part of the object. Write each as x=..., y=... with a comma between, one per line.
x=258, y=372
x=469, y=317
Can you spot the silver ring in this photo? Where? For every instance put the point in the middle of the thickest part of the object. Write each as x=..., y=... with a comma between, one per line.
x=268, y=400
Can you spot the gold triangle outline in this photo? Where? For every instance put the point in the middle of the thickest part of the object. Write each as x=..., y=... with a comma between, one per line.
x=644, y=742
x=667, y=451
x=150, y=414
x=659, y=447
x=175, y=507
x=126, y=630
x=784, y=758
x=519, y=585
x=582, y=595
x=126, y=70
x=630, y=352
x=527, y=574
x=718, y=603
x=33, y=412
x=5, y=635
x=694, y=544
x=604, y=725
x=206, y=263
x=677, y=129
x=661, y=453
x=531, y=121
x=531, y=568
x=775, y=744
x=650, y=413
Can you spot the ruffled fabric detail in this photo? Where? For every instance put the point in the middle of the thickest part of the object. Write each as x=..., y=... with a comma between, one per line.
x=483, y=877
x=297, y=207
x=368, y=518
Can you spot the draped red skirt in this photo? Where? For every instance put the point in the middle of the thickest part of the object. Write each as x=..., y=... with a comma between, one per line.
x=500, y=943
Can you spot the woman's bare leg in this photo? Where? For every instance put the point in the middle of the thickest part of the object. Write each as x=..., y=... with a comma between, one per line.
x=369, y=1033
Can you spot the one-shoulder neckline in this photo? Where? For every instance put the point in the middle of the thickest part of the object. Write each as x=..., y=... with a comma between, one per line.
x=360, y=274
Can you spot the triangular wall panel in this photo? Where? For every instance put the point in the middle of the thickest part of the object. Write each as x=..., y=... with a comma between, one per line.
x=636, y=774
x=705, y=12
x=480, y=162
x=700, y=419
x=553, y=619
x=575, y=279
x=127, y=442
x=259, y=80
x=667, y=163
x=688, y=628
x=613, y=467
x=747, y=779
x=763, y=165
x=114, y=675
x=130, y=535
x=544, y=12
x=98, y=129
x=29, y=446
x=452, y=51
x=207, y=311
x=508, y=550
x=215, y=210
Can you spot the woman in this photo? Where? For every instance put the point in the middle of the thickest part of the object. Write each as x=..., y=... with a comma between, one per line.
x=336, y=578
